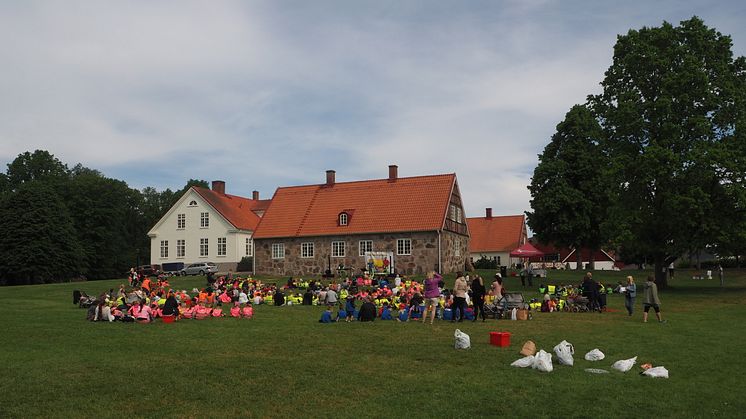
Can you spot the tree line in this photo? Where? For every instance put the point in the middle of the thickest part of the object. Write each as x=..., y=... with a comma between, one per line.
x=59, y=223
x=655, y=164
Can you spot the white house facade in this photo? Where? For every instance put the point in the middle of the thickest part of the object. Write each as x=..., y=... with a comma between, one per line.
x=207, y=225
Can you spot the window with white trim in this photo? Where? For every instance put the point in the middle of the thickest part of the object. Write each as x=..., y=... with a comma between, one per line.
x=338, y=249
x=249, y=247
x=452, y=212
x=306, y=250
x=164, y=248
x=457, y=247
x=404, y=246
x=181, y=221
x=204, y=220
x=222, y=246
x=343, y=219
x=458, y=215
x=365, y=246
x=180, y=248
x=278, y=250
x=203, y=247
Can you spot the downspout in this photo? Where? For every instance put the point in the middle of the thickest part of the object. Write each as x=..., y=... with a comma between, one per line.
x=440, y=268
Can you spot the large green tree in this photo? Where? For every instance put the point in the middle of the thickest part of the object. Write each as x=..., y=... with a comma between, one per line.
x=672, y=110
x=39, y=165
x=569, y=188
x=38, y=243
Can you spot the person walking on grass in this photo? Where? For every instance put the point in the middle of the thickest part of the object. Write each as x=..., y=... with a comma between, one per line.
x=477, y=292
x=432, y=295
x=630, y=292
x=651, y=300
x=459, y=297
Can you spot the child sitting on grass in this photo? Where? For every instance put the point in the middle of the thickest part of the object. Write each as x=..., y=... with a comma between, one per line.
x=236, y=311
x=326, y=316
x=247, y=311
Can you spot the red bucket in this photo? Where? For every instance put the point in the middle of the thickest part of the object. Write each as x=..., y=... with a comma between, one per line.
x=169, y=318
x=501, y=339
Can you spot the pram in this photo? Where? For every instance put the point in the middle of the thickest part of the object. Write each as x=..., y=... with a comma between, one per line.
x=577, y=303
x=508, y=302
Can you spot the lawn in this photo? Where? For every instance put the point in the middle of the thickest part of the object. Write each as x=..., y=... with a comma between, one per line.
x=284, y=363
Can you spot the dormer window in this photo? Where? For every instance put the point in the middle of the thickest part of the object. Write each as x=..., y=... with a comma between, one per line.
x=192, y=203
x=343, y=218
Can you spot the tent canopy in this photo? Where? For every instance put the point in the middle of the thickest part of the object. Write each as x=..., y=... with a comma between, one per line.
x=526, y=250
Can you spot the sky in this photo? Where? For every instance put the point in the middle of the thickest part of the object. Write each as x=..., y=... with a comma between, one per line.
x=267, y=94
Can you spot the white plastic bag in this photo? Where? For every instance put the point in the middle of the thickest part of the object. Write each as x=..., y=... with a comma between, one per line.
x=523, y=362
x=514, y=314
x=624, y=365
x=594, y=355
x=543, y=362
x=462, y=340
x=656, y=372
x=564, y=351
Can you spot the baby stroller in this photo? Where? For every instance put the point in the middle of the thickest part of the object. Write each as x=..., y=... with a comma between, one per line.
x=86, y=300
x=508, y=302
x=577, y=303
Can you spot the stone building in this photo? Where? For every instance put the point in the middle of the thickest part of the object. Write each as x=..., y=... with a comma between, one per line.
x=419, y=221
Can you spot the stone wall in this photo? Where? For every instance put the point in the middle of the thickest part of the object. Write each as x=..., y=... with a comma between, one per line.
x=424, y=255
x=449, y=242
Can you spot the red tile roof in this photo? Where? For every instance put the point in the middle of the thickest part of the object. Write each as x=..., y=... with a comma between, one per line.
x=237, y=210
x=374, y=206
x=495, y=234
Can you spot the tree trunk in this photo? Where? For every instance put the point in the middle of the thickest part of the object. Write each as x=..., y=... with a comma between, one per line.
x=661, y=276
x=592, y=260
x=699, y=264
x=579, y=255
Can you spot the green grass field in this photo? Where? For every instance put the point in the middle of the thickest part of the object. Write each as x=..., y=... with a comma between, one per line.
x=284, y=363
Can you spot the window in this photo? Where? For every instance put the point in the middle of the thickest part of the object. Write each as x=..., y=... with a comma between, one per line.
x=278, y=250
x=181, y=221
x=457, y=247
x=204, y=220
x=452, y=212
x=343, y=219
x=249, y=247
x=164, y=248
x=338, y=249
x=458, y=215
x=222, y=246
x=180, y=248
x=306, y=250
x=365, y=246
x=404, y=246
x=203, y=247
x=192, y=203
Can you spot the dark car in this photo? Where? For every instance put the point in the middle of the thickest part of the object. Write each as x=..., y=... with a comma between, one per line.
x=148, y=270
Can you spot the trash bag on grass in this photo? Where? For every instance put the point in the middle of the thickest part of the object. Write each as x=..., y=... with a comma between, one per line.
x=594, y=355
x=543, y=362
x=462, y=340
x=656, y=372
x=624, y=365
x=524, y=362
x=564, y=351
x=529, y=348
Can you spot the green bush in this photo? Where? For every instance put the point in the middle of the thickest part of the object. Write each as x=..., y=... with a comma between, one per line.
x=245, y=265
x=485, y=263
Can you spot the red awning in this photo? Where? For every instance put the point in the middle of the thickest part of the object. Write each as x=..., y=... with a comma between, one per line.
x=526, y=251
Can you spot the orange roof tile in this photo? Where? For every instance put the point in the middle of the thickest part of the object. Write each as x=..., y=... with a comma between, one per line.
x=237, y=210
x=374, y=206
x=495, y=234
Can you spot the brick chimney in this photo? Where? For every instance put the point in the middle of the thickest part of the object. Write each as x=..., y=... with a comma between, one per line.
x=218, y=186
x=330, y=177
x=255, y=195
x=488, y=213
x=393, y=172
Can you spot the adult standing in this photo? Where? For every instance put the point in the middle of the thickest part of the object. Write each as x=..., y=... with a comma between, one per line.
x=630, y=292
x=651, y=300
x=497, y=290
x=432, y=295
x=590, y=291
x=459, y=296
x=477, y=294
x=720, y=274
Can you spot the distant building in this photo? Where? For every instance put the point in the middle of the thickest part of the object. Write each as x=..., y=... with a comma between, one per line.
x=207, y=226
x=567, y=258
x=495, y=237
x=418, y=221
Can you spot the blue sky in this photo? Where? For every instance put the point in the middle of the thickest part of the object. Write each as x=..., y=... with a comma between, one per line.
x=268, y=94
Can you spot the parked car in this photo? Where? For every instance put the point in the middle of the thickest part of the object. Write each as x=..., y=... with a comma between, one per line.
x=172, y=268
x=148, y=270
x=201, y=268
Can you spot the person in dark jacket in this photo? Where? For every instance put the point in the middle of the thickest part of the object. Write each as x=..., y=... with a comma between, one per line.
x=477, y=295
x=279, y=298
x=171, y=306
x=590, y=291
x=367, y=312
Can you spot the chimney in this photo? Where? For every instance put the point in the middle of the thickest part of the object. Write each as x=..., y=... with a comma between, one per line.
x=393, y=172
x=218, y=186
x=330, y=177
x=488, y=213
x=255, y=195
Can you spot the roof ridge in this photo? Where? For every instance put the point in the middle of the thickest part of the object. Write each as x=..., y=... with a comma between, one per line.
x=366, y=180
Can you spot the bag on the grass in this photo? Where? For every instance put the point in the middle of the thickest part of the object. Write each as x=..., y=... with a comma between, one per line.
x=564, y=351
x=656, y=372
x=529, y=348
x=522, y=314
x=594, y=355
x=624, y=365
x=543, y=362
x=462, y=340
x=523, y=362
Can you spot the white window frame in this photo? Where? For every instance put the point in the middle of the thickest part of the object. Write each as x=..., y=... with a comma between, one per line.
x=164, y=249
x=204, y=247
x=278, y=250
x=336, y=247
x=457, y=247
x=180, y=221
x=204, y=220
x=343, y=219
x=222, y=246
x=404, y=247
x=458, y=214
x=249, y=246
x=307, y=250
x=363, y=246
x=180, y=248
